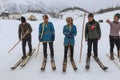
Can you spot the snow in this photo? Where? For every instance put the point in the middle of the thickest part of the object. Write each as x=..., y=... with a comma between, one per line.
x=9, y=36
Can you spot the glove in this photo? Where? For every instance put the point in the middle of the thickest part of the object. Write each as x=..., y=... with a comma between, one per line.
x=40, y=38
x=53, y=37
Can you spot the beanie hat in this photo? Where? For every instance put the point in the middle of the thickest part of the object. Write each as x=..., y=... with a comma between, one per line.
x=90, y=15
x=118, y=15
x=23, y=20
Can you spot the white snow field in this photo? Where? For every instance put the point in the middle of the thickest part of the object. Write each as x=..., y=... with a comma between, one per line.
x=31, y=71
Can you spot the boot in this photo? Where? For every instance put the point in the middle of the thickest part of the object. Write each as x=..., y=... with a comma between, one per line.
x=65, y=60
x=30, y=53
x=71, y=59
x=111, y=56
x=52, y=59
x=24, y=56
x=45, y=59
x=87, y=62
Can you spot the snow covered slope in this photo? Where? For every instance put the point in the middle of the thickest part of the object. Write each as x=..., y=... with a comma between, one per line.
x=55, y=5
x=9, y=35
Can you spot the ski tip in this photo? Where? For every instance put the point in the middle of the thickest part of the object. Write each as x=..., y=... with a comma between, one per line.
x=87, y=67
x=54, y=68
x=105, y=68
x=42, y=69
x=12, y=68
x=75, y=69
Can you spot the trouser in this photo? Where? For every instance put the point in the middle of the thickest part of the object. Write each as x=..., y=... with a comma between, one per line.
x=95, y=47
x=114, y=41
x=51, y=49
x=24, y=41
x=66, y=51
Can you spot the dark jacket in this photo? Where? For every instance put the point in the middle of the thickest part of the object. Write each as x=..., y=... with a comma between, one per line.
x=92, y=30
x=22, y=30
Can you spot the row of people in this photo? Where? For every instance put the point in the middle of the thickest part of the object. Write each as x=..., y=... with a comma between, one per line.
x=92, y=35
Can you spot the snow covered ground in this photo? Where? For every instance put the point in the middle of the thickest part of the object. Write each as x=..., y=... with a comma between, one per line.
x=9, y=36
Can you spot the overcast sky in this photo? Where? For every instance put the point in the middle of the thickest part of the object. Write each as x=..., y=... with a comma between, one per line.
x=90, y=5
x=95, y=5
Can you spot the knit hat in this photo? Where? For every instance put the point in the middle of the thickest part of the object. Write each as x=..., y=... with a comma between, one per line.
x=118, y=15
x=23, y=20
x=90, y=15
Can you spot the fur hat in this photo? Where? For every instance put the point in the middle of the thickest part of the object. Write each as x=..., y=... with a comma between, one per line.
x=23, y=20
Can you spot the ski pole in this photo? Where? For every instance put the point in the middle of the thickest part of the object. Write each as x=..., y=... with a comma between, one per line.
x=38, y=49
x=82, y=37
x=19, y=41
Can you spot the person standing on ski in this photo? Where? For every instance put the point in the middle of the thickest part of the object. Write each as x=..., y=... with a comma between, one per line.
x=70, y=32
x=114, y=36
x=25, y=30
x=47, y=35
x=92, y=35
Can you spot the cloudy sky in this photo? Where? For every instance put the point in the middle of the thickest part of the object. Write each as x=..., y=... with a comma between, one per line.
x=90, y=5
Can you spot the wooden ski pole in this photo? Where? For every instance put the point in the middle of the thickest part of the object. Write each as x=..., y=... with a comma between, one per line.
x=19, y=41
x=38, y=49
x=82, y=37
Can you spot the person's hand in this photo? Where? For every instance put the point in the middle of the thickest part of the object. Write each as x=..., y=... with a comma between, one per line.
x=53, y=37
x=39, y=38
x=107, y=20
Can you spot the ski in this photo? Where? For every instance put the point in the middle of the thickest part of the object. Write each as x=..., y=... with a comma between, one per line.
x=114, y=62
x=43, y=65
x=53, y=65
x=24, y=62
x=73, y=64
x=100, y=63
x=64, y=66
x=17, y=64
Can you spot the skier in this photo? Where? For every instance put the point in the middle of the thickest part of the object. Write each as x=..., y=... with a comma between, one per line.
x=114, y=36
x=92, y=35
x=70, y=32
x=47, y=35
x=25, y=29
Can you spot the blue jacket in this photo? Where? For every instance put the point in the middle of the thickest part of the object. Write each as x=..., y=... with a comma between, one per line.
x=69, y=33
x=46, y=32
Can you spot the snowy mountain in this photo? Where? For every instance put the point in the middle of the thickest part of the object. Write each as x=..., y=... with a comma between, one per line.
x=31, y=71
x=21, y=6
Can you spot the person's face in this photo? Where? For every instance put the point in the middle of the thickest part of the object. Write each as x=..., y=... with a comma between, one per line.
x=116, y=19
x=69, y=21
x=45, y=19
x=90, y=19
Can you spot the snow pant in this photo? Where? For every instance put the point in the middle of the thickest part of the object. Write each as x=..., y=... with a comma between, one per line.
x=24, y=41
x=45, y=49
x=95, y=47
x=114, y=41
x=66, y=51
